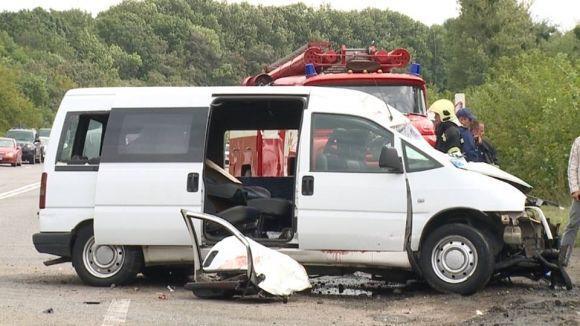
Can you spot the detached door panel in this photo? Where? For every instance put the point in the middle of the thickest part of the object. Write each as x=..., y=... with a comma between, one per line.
x=349, y=202
x=144, y=177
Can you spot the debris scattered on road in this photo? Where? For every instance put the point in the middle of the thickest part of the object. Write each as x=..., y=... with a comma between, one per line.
x=171, y=288
x=113, y=286
x=478, y=312
x=161, y=296
x=92, y=302
x=48, y=311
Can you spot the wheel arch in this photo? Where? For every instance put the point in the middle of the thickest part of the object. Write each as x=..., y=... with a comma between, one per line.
x=76, y=229
x=484, y=222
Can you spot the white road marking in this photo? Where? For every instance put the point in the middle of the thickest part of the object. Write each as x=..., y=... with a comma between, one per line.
x=117, y=312
x=20, y=190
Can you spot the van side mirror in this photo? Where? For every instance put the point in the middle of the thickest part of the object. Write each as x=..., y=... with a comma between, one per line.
x=390, y=159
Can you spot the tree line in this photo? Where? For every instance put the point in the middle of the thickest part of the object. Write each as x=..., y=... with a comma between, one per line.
x=492, y=51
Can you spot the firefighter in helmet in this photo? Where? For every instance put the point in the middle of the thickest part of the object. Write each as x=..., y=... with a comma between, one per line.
x=449, y=138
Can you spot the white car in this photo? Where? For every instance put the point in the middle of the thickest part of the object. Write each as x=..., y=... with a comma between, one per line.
x=362, y=196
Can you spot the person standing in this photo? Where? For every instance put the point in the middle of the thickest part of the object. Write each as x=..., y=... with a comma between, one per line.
x=569, y=235
x=468, y=147
x=485, y=149
x=449, y=139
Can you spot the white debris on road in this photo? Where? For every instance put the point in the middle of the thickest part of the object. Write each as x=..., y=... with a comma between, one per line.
x=283, y=275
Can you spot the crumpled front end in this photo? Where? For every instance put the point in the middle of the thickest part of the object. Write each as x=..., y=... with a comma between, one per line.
x=531, y=248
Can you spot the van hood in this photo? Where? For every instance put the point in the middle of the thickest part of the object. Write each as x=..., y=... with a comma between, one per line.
x=497, y=173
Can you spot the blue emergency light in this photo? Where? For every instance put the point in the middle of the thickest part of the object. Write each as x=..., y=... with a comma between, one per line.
x=415, y=69
x=310, y=70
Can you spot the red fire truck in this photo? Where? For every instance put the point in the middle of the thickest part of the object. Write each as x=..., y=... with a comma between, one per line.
x=368, y=70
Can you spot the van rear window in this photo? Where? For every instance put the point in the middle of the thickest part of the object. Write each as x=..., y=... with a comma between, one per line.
x=155, y=135
x=80, y=141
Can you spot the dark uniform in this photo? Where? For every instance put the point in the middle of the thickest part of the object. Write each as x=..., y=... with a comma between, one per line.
x=448, y=137
x=487, y=152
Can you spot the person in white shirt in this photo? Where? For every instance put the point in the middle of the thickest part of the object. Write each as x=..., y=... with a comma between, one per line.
x=569, y=235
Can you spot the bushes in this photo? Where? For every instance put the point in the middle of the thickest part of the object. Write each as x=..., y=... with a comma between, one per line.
x=530, y=106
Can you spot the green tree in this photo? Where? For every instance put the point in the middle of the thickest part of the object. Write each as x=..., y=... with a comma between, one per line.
x=485, y=31
x=530, y=108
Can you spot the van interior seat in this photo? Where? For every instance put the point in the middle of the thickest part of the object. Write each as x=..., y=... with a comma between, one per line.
x=344, y=151
x=272, y=207
x=244, y=218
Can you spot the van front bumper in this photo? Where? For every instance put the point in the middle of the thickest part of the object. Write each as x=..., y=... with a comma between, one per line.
x=54, y=243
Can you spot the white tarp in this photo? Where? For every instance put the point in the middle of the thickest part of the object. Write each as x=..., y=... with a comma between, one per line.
x=284, y=275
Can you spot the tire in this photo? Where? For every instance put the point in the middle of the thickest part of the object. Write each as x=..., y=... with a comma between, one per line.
x=456, y=258
x=120, y=264
x=39, y=157
x=32, y=160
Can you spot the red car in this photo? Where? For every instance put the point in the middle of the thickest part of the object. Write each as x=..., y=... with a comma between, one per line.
x=10, y=152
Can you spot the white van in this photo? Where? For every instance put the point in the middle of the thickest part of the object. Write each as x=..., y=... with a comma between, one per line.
x=361, y=196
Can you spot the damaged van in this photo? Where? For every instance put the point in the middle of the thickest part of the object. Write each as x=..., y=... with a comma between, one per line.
x=358, y=195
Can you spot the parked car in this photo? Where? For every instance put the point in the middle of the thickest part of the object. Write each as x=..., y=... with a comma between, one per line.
x=10, y=152
x=360, y=196
x=30, y=143
x=44, y=132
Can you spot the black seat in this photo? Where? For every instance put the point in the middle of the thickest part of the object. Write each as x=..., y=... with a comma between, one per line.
x=272, y=206
x=275, y=213
x=244, y=218
x=344, y=151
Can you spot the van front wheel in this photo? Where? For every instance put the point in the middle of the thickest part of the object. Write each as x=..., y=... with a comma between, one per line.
x=104, y=265
x=456, y=258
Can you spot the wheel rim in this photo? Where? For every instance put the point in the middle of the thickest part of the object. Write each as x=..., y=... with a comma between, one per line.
x=454, y=259
x=103, y=261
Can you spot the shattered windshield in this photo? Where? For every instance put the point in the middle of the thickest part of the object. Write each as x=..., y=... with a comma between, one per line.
x=409, y=131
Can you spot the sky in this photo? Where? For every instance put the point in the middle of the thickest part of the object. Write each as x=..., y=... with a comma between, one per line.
x=563, y=13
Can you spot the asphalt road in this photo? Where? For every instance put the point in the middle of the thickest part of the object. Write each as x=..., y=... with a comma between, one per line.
x=32, y=294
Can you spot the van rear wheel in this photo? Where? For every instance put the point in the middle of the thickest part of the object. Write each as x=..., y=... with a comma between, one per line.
x=456, y=258
x=104, y=265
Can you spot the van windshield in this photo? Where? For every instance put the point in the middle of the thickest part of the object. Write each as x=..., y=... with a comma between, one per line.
x=404, y=98
x=21, y=135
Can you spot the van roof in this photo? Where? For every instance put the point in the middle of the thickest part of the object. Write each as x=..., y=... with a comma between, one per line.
x=321, y=99
x=304, y=91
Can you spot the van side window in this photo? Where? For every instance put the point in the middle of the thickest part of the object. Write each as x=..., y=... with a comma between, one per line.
x=343, y=143
x=416, y=160
x=81, y=139
x=156, y=135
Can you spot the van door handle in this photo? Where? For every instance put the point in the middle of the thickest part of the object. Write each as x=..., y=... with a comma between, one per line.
x=307, y=185
x=193, y=182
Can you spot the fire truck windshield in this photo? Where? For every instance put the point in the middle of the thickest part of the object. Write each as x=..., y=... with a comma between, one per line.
x=406, y=99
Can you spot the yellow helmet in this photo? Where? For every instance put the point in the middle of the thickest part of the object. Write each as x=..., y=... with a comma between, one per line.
x=445, y=109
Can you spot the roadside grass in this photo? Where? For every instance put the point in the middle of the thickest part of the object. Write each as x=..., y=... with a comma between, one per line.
x=557, y=215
